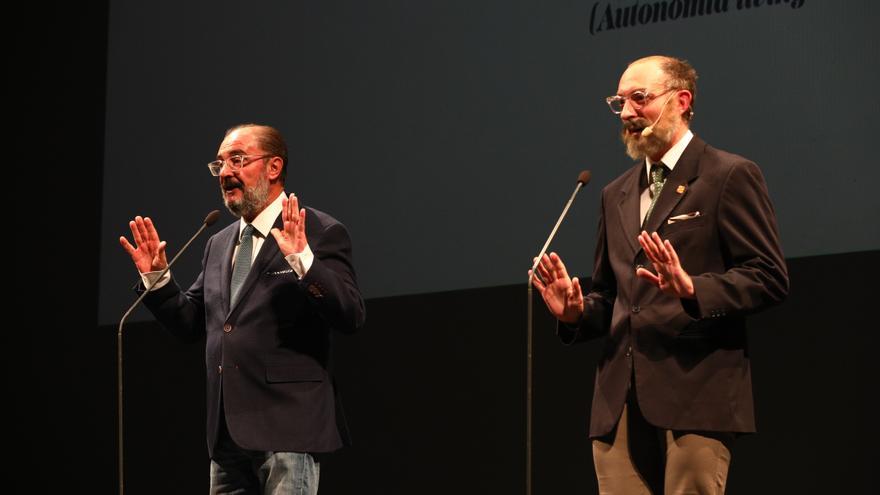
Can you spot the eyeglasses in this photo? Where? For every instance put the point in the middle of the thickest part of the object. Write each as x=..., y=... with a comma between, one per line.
x=637, y=99
x=234, y=162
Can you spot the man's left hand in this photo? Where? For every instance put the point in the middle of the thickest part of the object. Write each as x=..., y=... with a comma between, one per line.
x=671, y=277
x=293, y=238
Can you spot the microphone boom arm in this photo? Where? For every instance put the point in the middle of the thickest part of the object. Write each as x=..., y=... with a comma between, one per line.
x=209, y=220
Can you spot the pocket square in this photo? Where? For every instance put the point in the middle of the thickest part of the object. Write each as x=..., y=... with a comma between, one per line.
x=682, y=218
x=280, y=272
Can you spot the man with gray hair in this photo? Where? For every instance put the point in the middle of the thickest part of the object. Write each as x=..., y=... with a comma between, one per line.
x=273, y=286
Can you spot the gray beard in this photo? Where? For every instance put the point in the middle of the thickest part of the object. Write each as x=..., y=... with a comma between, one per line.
x=252, y=202
x=638, y=147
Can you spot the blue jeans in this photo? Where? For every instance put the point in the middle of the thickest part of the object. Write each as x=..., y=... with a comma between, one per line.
x=236, y=471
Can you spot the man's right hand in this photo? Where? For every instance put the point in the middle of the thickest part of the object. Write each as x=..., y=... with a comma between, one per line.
x=561, y=294
x=148, y=253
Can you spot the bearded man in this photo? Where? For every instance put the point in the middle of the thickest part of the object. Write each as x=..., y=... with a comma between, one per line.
x=273, y=286
x=687, y=248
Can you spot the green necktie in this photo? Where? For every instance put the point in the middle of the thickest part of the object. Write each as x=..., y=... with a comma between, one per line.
x=658, y=178
x=242, y=262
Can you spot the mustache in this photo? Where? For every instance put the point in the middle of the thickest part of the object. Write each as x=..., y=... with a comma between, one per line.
x=635, y=124
x=230, y=183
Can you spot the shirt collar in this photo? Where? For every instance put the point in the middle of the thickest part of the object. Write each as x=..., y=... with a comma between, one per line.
x=671, y=157
x=266, y=218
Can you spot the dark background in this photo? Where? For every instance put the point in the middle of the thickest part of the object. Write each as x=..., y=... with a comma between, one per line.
x=434, y=126
x=434, y=395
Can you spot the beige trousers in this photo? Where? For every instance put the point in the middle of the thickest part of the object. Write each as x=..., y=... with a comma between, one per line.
x=638, y=458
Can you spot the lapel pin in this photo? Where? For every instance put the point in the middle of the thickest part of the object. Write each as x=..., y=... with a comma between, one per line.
x=681, y=189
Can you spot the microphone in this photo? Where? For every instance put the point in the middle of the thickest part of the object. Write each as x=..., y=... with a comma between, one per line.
x=209, y=220
x=584, y=177
x=647, y=131
x=582, y=180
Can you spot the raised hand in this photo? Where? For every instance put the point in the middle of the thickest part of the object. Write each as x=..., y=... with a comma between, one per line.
x=292, y=239
x=561, y=294
x=671, y=277
x=148, y=253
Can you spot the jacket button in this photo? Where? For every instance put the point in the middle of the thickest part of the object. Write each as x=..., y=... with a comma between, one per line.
x=227, y=328
x=629, y=351
x=220, y=369
x=316, y=291
x=636, y=308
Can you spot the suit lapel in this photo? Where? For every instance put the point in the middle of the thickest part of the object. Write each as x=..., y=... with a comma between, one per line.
x=628, y=206
x=267, y=253
x=685, y=171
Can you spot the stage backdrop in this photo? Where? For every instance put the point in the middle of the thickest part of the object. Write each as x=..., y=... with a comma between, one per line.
x=447, y=135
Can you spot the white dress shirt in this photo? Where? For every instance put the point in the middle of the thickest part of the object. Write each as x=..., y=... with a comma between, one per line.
x=299, y=262
x=670, y=158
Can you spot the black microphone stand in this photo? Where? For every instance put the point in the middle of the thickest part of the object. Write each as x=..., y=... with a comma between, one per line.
x=583, y=179
x=209, y=220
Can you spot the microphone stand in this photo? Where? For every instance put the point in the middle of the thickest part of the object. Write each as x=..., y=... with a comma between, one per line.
x=583, y=179
x=209, y=220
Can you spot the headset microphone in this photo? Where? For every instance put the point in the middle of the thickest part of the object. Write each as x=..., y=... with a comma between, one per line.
x=647, y=131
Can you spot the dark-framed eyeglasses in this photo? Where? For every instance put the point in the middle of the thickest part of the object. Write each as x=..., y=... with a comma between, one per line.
x=637, y=99
x=234, y=162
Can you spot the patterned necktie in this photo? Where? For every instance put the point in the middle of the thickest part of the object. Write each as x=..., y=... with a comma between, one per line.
x=658, y=178
x=242, y=262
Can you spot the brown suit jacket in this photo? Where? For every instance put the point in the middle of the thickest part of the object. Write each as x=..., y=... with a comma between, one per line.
x=688, y=359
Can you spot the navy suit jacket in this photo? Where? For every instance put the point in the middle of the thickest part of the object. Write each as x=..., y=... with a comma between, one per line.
x=268, y=357
x=688, y=360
